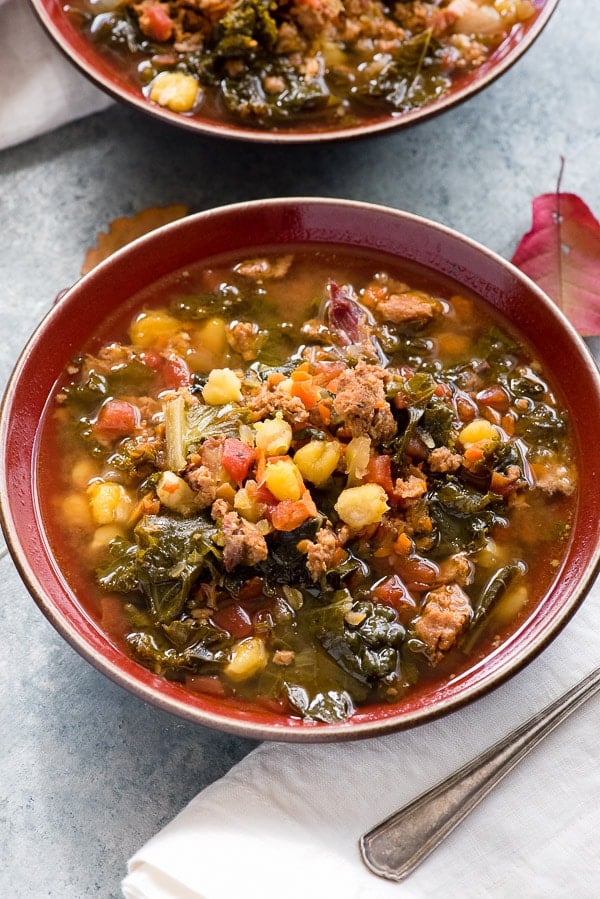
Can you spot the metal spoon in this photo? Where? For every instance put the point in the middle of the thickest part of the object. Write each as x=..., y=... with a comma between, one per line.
x=396, y=846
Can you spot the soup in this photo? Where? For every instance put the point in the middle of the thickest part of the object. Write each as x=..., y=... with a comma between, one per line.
x=308, y=480
x=319, y=63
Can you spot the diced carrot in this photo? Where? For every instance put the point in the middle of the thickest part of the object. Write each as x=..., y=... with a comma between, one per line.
x=403, y=545
x=261, y=464
x=508, y=423
x=305, y=389
x=275, y=378
x=383, y=552
x=323, y=410
x=290, y=514
x=473, y=453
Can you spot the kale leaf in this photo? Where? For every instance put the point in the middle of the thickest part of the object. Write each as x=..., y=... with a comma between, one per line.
x=364, y=639
x=462, y=516
x=245, y=29
x=168, y=556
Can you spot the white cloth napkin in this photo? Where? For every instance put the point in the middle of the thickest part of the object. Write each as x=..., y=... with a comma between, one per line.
x=41, y=89
x=285, y=821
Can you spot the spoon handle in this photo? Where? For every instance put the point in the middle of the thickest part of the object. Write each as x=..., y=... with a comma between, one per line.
x=396, y=846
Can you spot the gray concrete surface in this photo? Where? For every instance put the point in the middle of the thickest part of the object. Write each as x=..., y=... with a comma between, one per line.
x=88, y=772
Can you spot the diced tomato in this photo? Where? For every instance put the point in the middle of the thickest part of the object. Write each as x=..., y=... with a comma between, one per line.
x=234, y=619
x=152, y=359
x=392, y=592
x=496, y=397
x=175, y=373
x=205, y=683
x=379, y=471
x=155, y=22
x=263, y=495
x=117, y=418
x=251, y=590
x=389, y=591
x=502, y=484
x=237, y=458
x=417, y=573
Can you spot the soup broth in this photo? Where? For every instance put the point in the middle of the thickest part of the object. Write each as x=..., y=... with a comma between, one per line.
x=308, y=480
x=320, y=64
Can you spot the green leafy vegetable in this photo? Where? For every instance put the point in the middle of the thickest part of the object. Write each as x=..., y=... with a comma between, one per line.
x=491, y=593
x=462, y=517
x=180, y=647
x=247, y=28
x=168, y=556
x=364, y=639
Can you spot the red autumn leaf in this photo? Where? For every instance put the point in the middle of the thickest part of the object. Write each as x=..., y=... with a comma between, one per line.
x=561, y=254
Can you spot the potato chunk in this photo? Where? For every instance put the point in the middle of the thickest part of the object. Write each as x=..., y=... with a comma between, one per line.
x=153, y=328
x=362, y=506
x=175, y=90
x=284, y=480
x=318, y=460
x=175, y=494
x=274, y=435
x=223, y=386
x=477, y=430
x=248, y=657
x=109, y=503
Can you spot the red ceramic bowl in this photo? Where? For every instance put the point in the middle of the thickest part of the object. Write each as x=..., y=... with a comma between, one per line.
x=53, y=15
x=244, y=228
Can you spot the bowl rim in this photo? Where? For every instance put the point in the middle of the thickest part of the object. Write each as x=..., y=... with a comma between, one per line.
x=501, y=61
x=113, y=663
